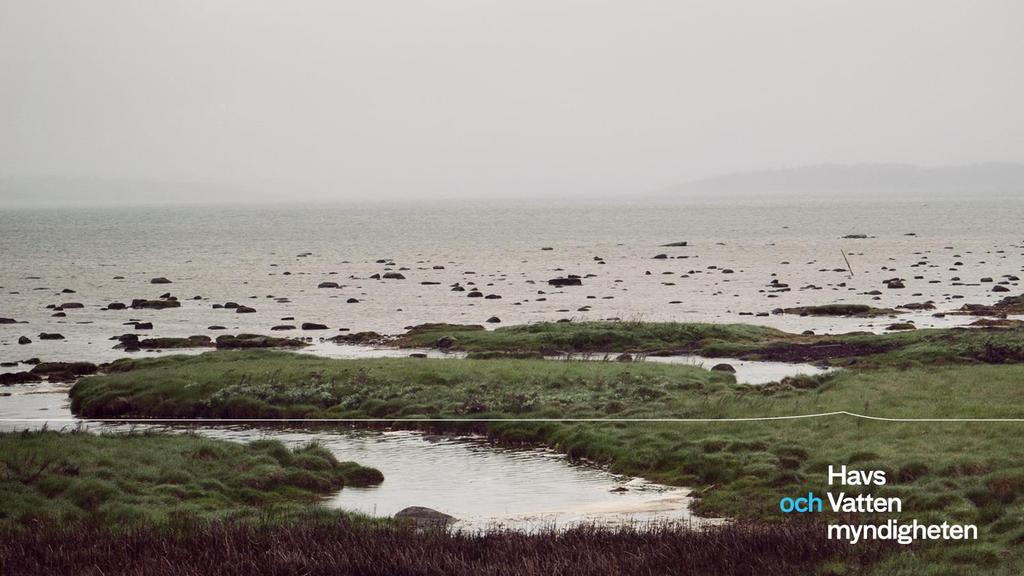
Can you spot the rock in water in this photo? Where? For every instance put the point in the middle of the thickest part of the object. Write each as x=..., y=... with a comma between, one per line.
x=723, y=368
x=160, y=280
x=425, y=517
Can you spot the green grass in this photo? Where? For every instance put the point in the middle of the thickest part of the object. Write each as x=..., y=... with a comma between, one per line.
x=579, y=337
x=962, y=472
x=918, y=347
x=128, y=479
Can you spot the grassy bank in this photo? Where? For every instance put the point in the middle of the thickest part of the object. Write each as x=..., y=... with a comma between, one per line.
x=920, y=347
x=126, y=479
x=962, y=472
x=314, y=545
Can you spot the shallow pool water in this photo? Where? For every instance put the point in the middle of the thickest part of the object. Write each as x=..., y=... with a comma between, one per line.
x=479, y=484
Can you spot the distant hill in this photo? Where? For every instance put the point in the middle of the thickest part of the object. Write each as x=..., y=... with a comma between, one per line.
x=864, y=180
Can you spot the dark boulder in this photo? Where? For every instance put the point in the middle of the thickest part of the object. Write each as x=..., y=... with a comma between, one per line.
x=393, y=276
x=424, y=517
x=160, y=280
x=313, y=326
x=50, y=336
x=140, y=304
x=281, y=327
x=9, y=378
x=244, y=310
x=242, y=341
x=493, y=320
x=24, y=340
x=901, y=326
x=61, y=368
x=723, y=368
x=367, y=337
x=328, y=285
x=570, y=281
x=158, y=343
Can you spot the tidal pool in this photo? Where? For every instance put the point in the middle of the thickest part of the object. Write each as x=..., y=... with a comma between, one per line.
x=483, y=486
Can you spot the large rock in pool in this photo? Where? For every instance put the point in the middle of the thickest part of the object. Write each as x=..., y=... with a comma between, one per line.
x=424, y=517
x=257, y=341
x=160, y=280
x=570, y=281
x=728, y=368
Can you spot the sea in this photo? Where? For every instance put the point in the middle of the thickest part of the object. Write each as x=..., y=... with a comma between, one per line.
x=742, y=261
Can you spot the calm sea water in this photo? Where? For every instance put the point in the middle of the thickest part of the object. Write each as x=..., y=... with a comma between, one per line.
x=252, y=256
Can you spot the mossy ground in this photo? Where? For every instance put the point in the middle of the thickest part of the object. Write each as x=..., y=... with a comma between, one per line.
x=917, y=347
x=136, y=478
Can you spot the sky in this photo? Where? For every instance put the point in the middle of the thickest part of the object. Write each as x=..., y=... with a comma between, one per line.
x=343, y=99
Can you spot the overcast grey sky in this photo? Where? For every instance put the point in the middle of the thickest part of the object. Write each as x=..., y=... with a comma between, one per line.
x=377, y=98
